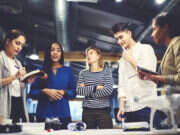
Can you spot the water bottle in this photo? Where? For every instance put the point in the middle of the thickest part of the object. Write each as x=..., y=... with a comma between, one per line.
x=122, y=121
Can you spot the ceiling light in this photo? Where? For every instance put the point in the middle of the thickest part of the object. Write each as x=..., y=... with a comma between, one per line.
x=117, y=1
x=34, y=57
x=160, y=1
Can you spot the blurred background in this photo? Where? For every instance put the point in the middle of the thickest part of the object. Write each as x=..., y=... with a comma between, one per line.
x=73, y=23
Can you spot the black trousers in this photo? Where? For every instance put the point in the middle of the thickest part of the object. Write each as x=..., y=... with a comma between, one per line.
x=97, y=118
x=17, y=110
x=144, y=115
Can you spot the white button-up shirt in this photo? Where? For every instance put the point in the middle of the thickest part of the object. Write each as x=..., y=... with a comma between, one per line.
x=133, y=88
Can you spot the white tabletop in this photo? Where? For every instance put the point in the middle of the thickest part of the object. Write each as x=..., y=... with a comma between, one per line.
x=38, y=129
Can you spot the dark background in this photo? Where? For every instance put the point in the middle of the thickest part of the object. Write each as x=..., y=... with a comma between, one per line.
x=74, y=23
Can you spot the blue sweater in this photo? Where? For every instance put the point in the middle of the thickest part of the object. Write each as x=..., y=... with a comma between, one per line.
x=64, y=79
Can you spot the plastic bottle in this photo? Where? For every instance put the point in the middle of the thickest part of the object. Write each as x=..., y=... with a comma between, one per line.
x=122, y=121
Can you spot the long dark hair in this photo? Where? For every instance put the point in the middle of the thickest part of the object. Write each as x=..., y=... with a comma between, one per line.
x=171, y=20
x=47, y=61
x=11, y=35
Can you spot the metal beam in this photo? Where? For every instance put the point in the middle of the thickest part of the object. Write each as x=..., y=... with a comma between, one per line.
x=91, y=1
x=80, y=56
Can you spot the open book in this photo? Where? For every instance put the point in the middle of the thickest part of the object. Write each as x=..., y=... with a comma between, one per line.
x=147, y=70
x=37, y=73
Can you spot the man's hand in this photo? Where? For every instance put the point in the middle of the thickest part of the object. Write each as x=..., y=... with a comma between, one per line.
x=127, y=55
x=120, y=112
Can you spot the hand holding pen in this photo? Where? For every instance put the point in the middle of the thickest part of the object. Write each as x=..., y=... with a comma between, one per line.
x=21, y=72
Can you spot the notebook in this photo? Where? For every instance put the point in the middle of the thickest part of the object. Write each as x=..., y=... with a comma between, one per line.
x=37, y=73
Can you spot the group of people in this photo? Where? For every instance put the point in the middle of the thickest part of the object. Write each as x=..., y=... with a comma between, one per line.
x=57, y=87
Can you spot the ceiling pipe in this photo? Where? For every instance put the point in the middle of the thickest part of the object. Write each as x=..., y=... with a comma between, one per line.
x=61, y=22
x=91, y=1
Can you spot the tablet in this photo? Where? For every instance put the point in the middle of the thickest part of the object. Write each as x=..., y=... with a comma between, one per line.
x=147, y=70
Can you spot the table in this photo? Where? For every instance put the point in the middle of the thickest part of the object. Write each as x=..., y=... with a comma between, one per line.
x=38, y=129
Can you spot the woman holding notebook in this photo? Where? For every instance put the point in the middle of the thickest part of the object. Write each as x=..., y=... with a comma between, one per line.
x=12, y=93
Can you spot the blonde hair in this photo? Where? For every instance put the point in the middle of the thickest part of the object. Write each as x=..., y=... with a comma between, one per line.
x=99, y=52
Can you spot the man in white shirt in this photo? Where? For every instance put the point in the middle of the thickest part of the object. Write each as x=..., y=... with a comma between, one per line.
x=131, y=88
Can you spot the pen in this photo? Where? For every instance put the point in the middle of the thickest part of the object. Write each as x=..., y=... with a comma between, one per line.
x=122, y=121
x=132, y=76
x=17, y=67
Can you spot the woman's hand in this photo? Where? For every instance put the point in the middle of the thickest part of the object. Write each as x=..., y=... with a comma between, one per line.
x=147, y=76
x=31, y=79
x=21, y=72
x=53, y=94
x=62, y=92
x=45, y=76
x=144, y=76
x=98, y=87
x=82, y=85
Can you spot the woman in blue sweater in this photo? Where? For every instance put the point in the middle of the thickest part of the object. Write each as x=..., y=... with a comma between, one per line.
x=96, y=84
x=54, y=91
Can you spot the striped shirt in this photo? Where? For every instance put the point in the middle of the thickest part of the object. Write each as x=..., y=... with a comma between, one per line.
x=96, y=98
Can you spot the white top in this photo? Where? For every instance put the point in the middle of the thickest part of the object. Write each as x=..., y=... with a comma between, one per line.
x=133, y=88
x=16, y=91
